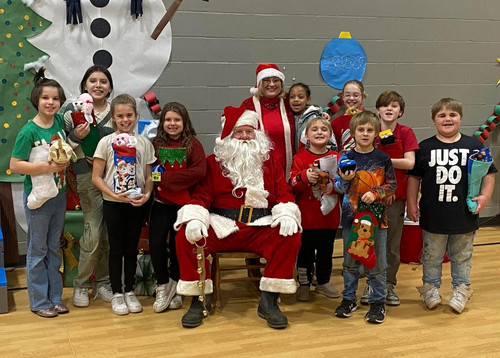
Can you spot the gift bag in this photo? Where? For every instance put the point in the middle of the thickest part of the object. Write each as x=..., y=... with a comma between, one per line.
x=145, y=280
x=70, y=253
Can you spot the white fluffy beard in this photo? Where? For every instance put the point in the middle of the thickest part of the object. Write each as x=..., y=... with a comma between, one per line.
x=241, y=160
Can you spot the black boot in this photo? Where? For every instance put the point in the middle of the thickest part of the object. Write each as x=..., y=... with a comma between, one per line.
x=193, y=317
x=269, y=310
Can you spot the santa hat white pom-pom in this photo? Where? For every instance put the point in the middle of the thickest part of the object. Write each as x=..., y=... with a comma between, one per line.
x=254, y=90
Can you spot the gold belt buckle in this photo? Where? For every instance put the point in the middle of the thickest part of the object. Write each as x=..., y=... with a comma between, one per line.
x=243, y=207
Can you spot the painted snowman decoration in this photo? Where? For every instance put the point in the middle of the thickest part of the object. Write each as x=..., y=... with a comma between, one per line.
x=110, y=36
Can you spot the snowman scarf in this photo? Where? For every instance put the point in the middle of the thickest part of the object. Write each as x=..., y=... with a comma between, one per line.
x=361, y=242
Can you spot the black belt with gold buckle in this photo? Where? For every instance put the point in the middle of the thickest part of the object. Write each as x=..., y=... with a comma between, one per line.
x=245, y=214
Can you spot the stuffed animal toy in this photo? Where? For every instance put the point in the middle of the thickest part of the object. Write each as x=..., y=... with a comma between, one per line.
x=84, y=110
x=61, y=152
x=84, y=113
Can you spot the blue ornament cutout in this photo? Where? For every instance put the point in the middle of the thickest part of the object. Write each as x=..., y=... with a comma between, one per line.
x=342, y=60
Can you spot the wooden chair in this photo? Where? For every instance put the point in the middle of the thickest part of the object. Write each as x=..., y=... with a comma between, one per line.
x=253, y=271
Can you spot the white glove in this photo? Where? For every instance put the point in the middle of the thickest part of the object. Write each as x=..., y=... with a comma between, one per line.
x=195, y=230
x=288, y=226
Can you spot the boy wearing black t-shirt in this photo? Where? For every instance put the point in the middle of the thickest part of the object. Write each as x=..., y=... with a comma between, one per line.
x=447, y=224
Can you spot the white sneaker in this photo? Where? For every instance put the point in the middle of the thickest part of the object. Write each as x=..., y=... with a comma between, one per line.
x=80, y=297
x=164, y=294
x=366, y=295
x=328, y=290
x=104, y=292
x=176, y=302
x=459, y=297
x=118, y=305
x=133, y=304
x=430, y=295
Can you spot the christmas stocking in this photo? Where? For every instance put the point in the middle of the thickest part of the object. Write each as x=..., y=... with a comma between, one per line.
x=125, y=163
x=477, y=167
x=43, y=185
x=361, y=242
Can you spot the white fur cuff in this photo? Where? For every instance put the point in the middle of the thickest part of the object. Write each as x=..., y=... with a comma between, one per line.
x=190, y=288
x=191, y=212
x=287, y=209
x=279, y=285
x=222, y=226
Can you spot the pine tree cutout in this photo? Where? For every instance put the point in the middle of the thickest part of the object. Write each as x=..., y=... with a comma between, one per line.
x=17, y=23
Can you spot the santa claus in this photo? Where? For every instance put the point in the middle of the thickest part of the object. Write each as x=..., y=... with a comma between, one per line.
x=242, y=204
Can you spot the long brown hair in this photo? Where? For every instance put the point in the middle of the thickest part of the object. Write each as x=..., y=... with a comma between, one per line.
x=188, y=132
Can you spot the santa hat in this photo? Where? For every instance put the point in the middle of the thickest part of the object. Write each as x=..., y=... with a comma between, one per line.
x=265, y=70
x=236, y=117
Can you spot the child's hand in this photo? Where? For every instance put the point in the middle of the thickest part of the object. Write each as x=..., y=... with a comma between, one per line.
x=481, y=201
x=412, y=211
x=312, y=176
x=55, y=167
x=122, y=197
x=82, y=130
x=368, y=197
x=389, y=200
x=139, y=199
x=348, y=175
x=327, y=189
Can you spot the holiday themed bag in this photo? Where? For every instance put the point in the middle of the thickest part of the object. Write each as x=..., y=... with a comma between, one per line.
x=125, y=160
x=361, y=242
x=477, y=167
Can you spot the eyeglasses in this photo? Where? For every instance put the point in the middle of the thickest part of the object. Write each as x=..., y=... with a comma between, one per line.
x=353, y=95
x=273, y=80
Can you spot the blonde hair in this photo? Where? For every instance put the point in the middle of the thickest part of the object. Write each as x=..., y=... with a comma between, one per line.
x=362, y=118
x=322, y=120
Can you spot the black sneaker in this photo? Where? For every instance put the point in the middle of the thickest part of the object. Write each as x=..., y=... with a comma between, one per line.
x=376, y=314
x=346, y=308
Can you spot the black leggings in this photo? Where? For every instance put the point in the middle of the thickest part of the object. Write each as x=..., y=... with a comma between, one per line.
x=124, y=223
x=161, y=227
x=317, y=247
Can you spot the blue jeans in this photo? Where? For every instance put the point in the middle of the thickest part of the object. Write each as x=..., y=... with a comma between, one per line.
x=45, y=226
x=459, y=248
x=376, y=276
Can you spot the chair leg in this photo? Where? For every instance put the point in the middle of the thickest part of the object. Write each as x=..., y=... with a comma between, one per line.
x=253, y=272
x=216, y=282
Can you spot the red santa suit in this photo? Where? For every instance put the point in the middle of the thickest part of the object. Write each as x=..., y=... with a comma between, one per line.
x=270, y=202
x=276, y=119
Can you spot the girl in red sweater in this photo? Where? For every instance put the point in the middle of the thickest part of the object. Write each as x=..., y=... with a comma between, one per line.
x=313, y=189
x=180, y=165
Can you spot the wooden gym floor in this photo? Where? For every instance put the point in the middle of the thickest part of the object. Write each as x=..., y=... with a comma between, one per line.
x=235, y=330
